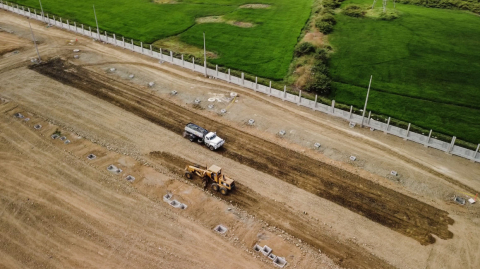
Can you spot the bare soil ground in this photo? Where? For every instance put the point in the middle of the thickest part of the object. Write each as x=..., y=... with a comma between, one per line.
x=316, y=199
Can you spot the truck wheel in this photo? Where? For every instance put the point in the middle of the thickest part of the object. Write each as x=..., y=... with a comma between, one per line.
x=200, y=141
x=188, y=175
x=192, y=138
x=212, y=148
x=223, y=191
x=215, y=186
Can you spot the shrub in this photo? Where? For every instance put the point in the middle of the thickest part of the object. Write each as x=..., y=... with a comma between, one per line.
x=331, y=3
x=354, y=11
x=388, y=16
x=329, y=18
x=322, y=55
x=320, y=68
x=324, y=27
x=327, y=11
x=304, y=49
x=321, y=84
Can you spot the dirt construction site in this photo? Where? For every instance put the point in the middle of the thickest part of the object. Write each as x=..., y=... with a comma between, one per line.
x=92, y=162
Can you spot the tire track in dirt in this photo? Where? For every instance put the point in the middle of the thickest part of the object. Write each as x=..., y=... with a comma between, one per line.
x=366, y=141
x=294, y=223
x=399, y=212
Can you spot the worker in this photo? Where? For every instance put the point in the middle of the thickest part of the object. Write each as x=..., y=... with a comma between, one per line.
x=205, y=183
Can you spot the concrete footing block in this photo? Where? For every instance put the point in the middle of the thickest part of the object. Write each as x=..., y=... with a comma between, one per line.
x=112, y=168
x=280, y=262
x=266, y=250
x=220, y=229
x=167, y=197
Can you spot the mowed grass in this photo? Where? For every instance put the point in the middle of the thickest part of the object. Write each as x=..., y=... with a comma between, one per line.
x=425, y=67
x=265, y=50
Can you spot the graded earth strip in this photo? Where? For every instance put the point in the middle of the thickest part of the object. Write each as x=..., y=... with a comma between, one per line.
x=382, y=205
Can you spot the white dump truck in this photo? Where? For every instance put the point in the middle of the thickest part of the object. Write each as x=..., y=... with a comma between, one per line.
x=196, y=133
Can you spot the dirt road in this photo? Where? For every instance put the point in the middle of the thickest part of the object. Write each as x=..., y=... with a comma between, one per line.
x=347, y=210
x=396, y=211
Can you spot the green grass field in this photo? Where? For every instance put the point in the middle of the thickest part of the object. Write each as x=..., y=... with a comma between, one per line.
x=425, y=67
x=265, y=50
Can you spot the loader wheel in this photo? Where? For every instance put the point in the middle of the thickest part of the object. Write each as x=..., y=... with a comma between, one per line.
x=223, y=191
x=188, y=175
x=215, y=186
x=212, y=148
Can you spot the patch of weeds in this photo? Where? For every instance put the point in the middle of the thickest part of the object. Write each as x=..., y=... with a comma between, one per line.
x=57, y=132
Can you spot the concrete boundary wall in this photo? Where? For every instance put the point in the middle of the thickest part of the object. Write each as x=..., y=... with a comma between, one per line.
x=427, y=141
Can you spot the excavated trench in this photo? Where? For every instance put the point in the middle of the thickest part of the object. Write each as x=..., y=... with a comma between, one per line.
x=394, y=210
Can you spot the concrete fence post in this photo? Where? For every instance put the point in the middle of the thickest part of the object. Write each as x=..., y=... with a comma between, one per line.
x=428, y=139
x=171, y=56
x=83, y=30
x=270, y=88
x=255, y=86
x=315, y=104
x=106, y=37
x=74, y=23
x=369, y=115
x=284, y=92
x=30, y=14
x=151, y=50
x=183, y=61
x=123, y=41
x=193, y=62
x=350, y=113
x=216, y=70
x=450, y=147
x=141, y=45
x=90, y=29
x=68, y=25
x=229, y=77
x=475, y=154
x=243, y=79
x=299, y=98
x=388, y=124
x=408, y=131
x=333, y=106
x=133, y=48
x=114, y=39
x=161, y=54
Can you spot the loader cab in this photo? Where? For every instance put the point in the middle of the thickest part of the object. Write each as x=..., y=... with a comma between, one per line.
x=216, y=172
